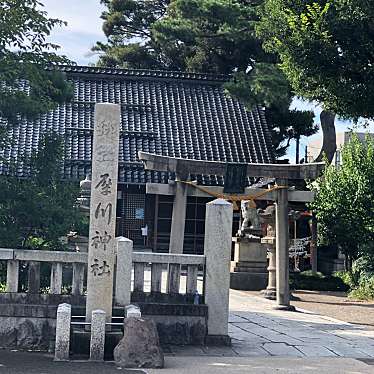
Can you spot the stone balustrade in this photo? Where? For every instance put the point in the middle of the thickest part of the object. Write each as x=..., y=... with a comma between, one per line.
x=165, y=278
x=156, y=276
x=146, y=268
x=58, y=260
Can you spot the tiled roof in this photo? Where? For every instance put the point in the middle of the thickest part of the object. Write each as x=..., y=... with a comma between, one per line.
x=168, y=113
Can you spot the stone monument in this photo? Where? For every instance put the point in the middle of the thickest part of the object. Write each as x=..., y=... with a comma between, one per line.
x=102, y=243
x=140, y=346
x=248, y=270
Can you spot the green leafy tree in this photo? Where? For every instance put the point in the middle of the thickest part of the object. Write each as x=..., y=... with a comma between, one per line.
x=326, y=50
x=39, y=210
x=29, y=83
x=212, y=36
x=127, y=25
x=344, y=202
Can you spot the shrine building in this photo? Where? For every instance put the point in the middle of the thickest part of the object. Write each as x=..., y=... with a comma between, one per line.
x=186, y=115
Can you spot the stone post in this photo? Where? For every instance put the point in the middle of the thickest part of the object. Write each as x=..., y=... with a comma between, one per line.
x=97, y=342
x=132, y=311
x=12, y=276
x=124, y=268
x=217, y=249
x=282, y=250
x=34, y=277
x=102, y=243
x=78, y=278
x=56, y=278
x=178, y=217
x=63, y=332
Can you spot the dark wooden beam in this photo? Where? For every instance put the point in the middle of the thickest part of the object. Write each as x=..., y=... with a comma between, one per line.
x=183, y=166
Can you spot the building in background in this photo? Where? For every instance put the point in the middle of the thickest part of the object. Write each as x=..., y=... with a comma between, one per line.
x=175, y=114
x=342, y=138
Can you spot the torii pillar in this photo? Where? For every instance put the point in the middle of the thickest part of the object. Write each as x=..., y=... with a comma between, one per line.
x=178, y=220
x=281, y=172
x=282, y=247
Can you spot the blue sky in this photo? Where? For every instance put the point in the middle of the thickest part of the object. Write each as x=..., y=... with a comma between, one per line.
x=85, y=28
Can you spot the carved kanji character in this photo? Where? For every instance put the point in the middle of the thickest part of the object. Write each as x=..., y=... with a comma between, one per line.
x=104, y=184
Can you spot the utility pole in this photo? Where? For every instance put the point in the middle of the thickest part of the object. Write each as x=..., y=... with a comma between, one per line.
x=297, y=150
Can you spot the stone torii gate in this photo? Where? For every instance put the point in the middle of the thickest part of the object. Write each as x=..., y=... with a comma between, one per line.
x=282, y=174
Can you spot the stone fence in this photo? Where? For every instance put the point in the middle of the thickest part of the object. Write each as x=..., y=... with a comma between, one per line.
x=145, y=275
x=167, y=287
x=157, y=277
x=34, y=258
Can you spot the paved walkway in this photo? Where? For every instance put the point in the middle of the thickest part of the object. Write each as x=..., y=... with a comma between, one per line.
x=257, y=330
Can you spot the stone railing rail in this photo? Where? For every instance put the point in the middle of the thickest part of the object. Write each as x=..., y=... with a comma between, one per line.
x=156, y=262
x=34, y=258
x=174, y=262
x=143, y=264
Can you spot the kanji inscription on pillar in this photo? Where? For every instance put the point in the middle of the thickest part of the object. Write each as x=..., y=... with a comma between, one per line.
x=101, y=252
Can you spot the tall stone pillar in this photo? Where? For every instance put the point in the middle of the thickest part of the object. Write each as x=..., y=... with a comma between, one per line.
x=282, y=251
x=217, y=249
x=178, y=217
x=102, y=243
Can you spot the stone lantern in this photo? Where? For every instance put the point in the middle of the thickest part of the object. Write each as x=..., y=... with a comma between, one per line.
x=85, y=195
x=77, y=242
x=268, y=217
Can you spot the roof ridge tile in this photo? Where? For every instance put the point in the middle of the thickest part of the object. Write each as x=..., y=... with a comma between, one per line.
x=183, y=75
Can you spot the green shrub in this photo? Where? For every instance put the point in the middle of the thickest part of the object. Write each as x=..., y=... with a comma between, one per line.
x=308, y=280
x=348, y=277
x=365, y=290
x=360, y=278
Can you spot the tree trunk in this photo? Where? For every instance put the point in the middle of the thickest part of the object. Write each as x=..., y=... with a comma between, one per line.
x=329, y=136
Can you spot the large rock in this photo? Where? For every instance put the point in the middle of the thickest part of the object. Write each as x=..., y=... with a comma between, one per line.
x=140, y=345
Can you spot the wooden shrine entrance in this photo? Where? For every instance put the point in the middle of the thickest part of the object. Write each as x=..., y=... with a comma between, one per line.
x=282, y=173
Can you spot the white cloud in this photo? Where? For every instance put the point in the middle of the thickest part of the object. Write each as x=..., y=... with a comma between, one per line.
x=81, y=15
x=83, y=29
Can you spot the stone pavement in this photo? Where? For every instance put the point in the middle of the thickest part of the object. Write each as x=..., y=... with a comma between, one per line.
x=257, y=330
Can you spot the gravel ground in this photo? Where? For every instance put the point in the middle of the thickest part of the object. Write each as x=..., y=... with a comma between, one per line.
x=336, y=305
